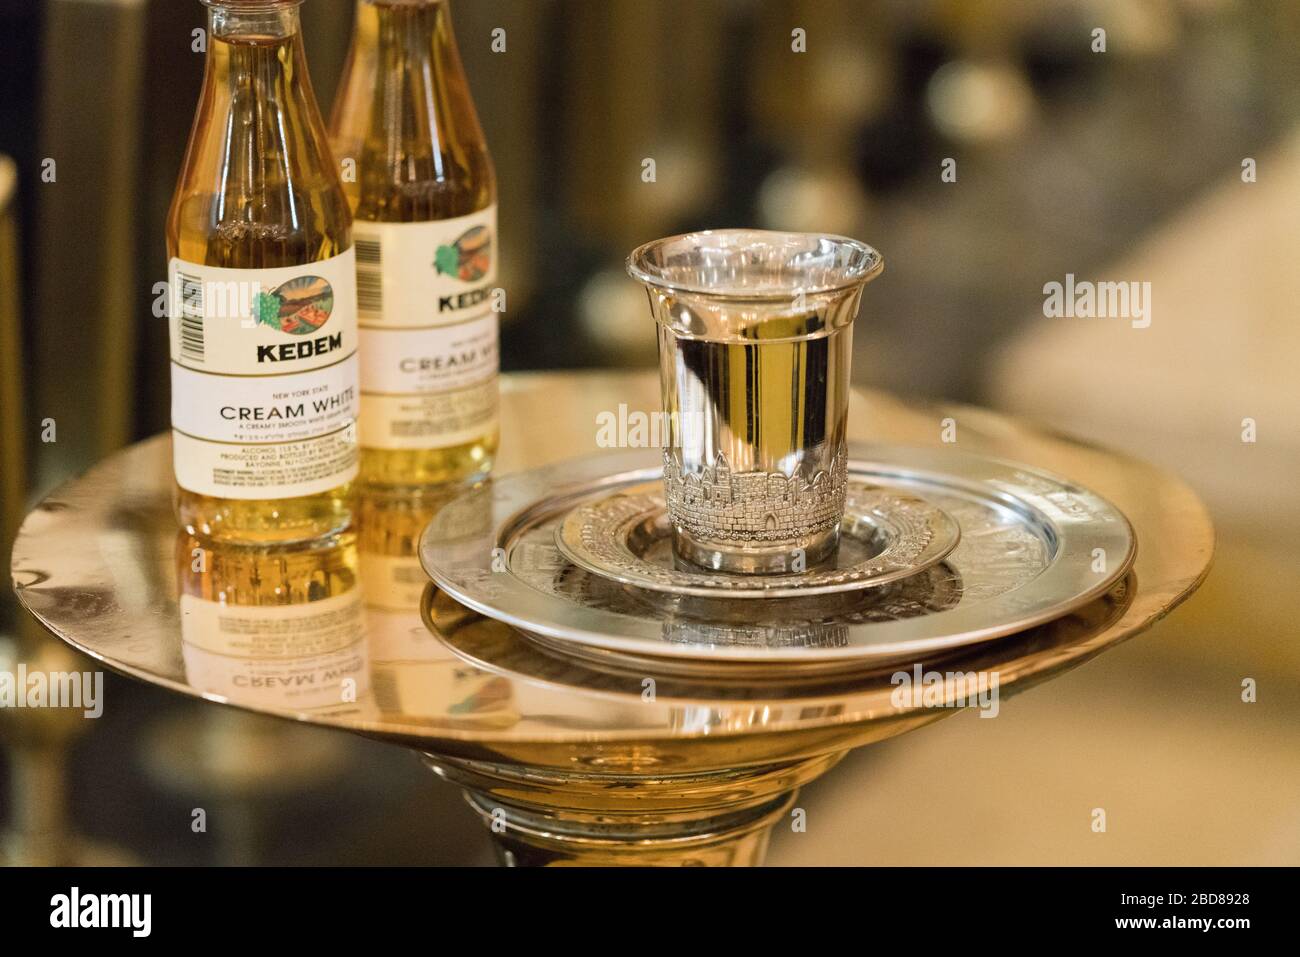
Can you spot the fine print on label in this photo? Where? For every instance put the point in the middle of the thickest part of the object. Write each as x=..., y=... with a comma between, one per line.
x=264, y=378
x=428, y=331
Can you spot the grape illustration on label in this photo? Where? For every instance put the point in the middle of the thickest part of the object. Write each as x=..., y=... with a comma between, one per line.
x=469, y=258
x=298, y=307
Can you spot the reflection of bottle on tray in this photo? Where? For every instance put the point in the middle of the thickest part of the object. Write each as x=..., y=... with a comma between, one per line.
x=274, y=628
x=409, y=665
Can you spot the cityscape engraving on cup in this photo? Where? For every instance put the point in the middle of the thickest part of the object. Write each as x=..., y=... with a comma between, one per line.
x=740, y=508
x=755, y=351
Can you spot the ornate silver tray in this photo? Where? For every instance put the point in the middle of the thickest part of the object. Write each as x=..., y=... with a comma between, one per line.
x=1033, y=547
x=627, y=536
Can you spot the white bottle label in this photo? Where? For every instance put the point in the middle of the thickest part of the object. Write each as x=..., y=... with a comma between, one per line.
x=428, y=331
x=264, y=378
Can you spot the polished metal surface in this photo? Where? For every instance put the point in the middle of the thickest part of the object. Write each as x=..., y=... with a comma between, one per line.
x=95, y=562
x=496, y=647
x=578, y=761
x=755, y=348
x=885, y=536
x=1033, y=547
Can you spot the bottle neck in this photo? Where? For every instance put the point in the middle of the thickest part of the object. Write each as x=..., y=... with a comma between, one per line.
x=256, y=50
x=235, y=21
x=405, y=113
x=411, y=28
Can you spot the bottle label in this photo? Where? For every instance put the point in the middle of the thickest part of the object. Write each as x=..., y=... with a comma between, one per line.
x=264, y=378
x=428, y=331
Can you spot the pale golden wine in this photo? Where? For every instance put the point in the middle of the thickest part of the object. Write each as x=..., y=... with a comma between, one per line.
x=417, y=173
x=263, y=295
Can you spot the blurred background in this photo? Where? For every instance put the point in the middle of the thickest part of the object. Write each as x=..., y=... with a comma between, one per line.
x=1173, y=157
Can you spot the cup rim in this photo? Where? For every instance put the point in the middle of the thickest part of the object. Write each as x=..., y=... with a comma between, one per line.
x=874, y=266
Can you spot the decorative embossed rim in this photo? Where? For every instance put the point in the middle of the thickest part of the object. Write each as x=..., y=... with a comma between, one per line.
x=867, y=265
x=891, y=564
x=1073, y=519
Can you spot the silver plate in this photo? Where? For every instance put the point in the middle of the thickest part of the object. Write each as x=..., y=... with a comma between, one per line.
x=885, y=536
x=1033, y=547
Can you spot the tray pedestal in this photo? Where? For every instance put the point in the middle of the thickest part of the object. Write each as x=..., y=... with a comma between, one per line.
x=545, y=818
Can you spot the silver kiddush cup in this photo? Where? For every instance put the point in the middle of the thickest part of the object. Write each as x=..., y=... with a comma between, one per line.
x=755, y=347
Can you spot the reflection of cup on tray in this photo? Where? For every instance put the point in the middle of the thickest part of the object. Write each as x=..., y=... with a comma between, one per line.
x=755, y=346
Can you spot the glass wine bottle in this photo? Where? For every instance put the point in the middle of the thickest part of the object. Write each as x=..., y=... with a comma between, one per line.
x=263, y=318
x=420, y=181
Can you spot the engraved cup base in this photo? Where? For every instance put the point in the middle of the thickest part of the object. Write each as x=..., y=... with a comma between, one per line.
x=758, y=559
x=757, y=522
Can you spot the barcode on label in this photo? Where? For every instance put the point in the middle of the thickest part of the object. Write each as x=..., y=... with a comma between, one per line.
x=370, y=276
x=191, y=317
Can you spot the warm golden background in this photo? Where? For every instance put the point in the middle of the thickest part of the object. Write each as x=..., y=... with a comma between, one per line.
x=1123, y=165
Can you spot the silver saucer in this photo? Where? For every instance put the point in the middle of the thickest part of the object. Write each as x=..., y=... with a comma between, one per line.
x=885, y=535
x=1033, y=548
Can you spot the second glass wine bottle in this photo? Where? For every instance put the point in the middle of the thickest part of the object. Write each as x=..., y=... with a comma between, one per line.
x=421, y=185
